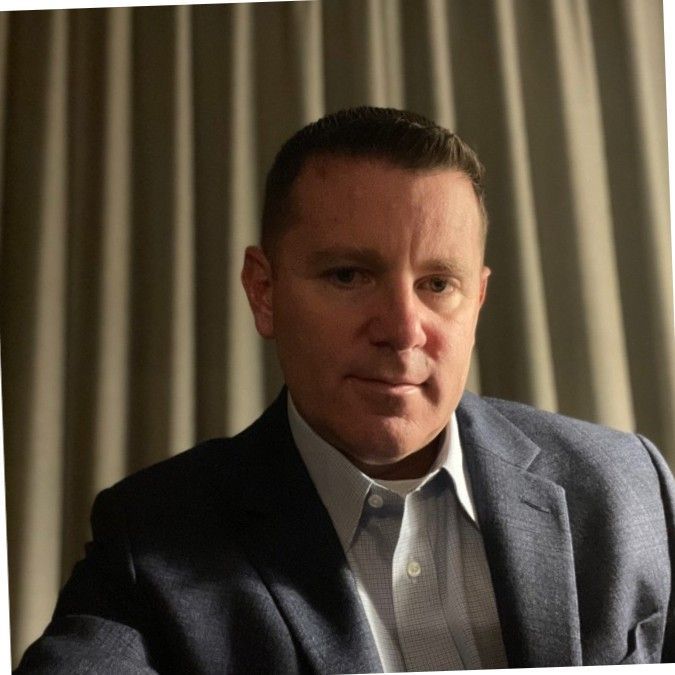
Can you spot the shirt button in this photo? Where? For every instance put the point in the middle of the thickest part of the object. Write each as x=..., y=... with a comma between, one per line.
x=375, y=501
x=414, y=569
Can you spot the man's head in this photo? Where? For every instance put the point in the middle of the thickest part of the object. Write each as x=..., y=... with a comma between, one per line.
x=370, y=280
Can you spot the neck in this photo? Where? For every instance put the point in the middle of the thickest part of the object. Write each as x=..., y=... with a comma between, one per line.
x=414, y=465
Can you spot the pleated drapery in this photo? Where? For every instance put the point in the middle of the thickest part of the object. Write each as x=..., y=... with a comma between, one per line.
x=133, y=148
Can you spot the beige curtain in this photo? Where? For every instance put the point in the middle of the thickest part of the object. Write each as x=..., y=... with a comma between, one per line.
x=133, y=149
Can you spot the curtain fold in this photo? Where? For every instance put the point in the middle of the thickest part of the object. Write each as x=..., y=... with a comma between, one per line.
x=133, y=148
x=182, y=417
x=3, y=86
x=596, y=349
x=110, y=386
x=37, y=287
x=243, y=349
x=635, y=141
x=535, y=359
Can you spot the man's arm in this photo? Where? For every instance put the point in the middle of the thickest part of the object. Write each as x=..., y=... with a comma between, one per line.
x=667, y=485
x=97, y=623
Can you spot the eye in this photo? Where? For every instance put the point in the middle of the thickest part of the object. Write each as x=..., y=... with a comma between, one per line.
x=438, y=285
x=344, y=275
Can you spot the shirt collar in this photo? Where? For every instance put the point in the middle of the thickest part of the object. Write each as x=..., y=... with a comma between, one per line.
x=343, y=488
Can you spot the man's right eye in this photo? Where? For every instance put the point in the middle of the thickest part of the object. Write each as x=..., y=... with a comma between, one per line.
x=343, y=276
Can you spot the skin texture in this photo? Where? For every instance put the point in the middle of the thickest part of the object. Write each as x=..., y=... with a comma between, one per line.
x=372, y=299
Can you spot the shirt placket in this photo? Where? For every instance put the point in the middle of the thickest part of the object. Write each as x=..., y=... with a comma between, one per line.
x=425, y=639
x=370, y=555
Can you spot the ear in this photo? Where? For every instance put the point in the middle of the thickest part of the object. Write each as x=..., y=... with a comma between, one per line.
x=256, y=277
x=484, y=275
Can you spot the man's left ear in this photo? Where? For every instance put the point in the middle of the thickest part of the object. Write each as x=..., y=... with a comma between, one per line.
x=484, y=283
x=256, y=277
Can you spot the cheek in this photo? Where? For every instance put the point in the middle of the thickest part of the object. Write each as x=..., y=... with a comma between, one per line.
x=451, y=335
x=318, y=336
x=449, y=345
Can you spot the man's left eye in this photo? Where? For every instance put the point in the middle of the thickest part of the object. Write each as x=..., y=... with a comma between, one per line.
x=437, y=284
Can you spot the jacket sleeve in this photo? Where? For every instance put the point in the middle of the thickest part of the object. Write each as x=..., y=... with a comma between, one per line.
x=667, y=486
x=98, y=624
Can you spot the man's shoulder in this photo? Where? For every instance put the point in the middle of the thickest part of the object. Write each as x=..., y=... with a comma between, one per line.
x=214, y=472
x=181, y=488
x=193, y=464
x=546, y=426
x=568, y=450
x=216, y=454
x=542, y=422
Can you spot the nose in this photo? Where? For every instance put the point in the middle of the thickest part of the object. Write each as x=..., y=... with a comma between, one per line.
x=397, y=319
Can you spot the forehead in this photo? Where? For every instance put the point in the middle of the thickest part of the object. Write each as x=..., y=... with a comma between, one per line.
x=362, y=178
x=368, y=199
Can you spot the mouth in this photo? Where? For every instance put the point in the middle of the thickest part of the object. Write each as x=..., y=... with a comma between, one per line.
x=389, y=386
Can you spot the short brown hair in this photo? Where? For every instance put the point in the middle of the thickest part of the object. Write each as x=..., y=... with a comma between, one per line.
x=403, y=138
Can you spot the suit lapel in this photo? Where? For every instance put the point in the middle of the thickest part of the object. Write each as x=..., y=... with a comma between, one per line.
x=290, y=539
x=524, y=522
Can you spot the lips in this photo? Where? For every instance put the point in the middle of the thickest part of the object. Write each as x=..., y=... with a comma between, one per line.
x=390, y=381
x=389, y=384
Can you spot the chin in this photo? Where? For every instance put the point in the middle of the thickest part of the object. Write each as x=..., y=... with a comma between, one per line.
x=382, y=440
x=377, y=455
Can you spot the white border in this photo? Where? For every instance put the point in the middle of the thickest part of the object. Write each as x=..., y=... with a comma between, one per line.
x=669, y=43
x=13, y=5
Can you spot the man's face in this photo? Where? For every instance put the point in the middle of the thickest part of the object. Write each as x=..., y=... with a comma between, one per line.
x=373, y=301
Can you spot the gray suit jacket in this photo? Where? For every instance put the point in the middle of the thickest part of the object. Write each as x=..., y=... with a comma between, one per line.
x=223, y=559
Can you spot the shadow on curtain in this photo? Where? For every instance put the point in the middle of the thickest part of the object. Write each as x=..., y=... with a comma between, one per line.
x=133, y=149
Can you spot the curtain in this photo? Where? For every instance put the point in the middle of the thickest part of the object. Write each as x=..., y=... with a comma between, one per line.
x=133, y=148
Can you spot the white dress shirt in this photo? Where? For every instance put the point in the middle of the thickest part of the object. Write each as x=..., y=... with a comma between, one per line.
x=416, y=553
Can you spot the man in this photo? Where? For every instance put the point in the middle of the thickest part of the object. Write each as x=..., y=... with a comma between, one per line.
x=376, y=516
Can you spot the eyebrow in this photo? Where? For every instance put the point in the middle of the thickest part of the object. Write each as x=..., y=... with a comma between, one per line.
x=363, y=256
x=445, y=266
x=369, y=257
